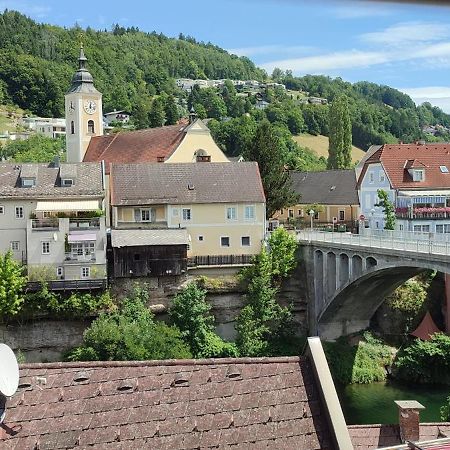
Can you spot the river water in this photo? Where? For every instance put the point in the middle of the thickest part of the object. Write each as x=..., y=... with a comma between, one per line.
x=374, y=403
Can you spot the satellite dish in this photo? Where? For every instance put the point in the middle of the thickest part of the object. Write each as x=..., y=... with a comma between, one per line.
x=9, y=371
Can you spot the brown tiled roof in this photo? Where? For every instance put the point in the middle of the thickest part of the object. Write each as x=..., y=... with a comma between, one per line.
x=88, y=180
x=368, y=437
x=330, y=187
x=259, y=403
x=135, y=146
x=206, y=182
x=397, y=158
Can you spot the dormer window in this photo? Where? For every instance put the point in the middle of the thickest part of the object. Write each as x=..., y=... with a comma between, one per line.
x=418, y=175
x=67, y=182
x=28, y=182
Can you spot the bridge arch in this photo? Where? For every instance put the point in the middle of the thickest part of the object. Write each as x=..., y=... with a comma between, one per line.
x=352, y=307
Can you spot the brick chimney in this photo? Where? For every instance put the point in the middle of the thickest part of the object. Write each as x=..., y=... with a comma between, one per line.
x=408, y=419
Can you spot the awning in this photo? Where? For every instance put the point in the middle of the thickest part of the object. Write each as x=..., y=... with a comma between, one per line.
x=68, y=205
x=435, y=193
x=81, y=237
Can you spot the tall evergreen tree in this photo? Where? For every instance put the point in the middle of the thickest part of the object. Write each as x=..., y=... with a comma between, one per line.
x=171, y=111
x=265, y=150
x=157, y=115
x=340, y=144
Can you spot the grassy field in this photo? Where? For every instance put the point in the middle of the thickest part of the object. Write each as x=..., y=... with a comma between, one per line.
x=8, y=123
x=319, y=144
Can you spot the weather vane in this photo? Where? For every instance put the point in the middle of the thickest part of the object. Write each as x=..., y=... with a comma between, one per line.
x=80, y=38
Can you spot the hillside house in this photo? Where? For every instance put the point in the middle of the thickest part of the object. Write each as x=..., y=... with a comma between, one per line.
x=417, y=180
x=51, y=219
x=333, y=190
x=215, y=210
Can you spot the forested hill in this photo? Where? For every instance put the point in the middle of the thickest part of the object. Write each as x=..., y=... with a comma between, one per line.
x=37, y=62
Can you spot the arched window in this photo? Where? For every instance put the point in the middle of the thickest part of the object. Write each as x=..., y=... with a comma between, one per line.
x=91, y=127
x=72, y=127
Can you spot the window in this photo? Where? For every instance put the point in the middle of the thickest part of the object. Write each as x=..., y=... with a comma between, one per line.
x=46, y=248
x=316, y=215
x=91, y=127
x=341, y=214
x=231, y=213
x=82, y=248
x=67, y=182
x=15, y=246
x=422, y=228
x=371, y=177
x=401, y=227
x=145, y=215
x=72, y=127
x=19, y=212
x=382, y=178
x=249, y=212
x=2, y=209
x=290, y=213
x=245, y=241
x=224, y=241
x=444, y=228
x=60, y=272
x=85, y=272
x=200, y=238
x=301, y=213
x=28, y=182
x=187, y=214
x=418, y=175
x=443, y=169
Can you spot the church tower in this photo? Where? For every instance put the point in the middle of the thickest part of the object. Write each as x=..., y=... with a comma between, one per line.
x=84, y=115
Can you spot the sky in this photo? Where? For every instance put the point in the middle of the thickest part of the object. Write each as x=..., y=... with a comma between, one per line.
x=406, y=46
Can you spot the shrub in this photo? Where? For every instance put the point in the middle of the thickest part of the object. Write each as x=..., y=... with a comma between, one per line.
x=130, y=334
x=12, y=282
x=445, y=410
x=425, y=362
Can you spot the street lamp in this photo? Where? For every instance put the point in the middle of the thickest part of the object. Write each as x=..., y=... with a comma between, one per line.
x=311, y=213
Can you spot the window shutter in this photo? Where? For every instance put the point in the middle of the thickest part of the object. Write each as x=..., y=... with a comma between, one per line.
x=153, y=215
x=137, y=215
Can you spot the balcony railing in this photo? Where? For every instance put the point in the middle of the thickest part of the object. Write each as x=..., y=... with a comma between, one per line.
x=434, y=213
x=62, y=285
x=45, y=224
x=71, y=257
x=220, y=260
x=78, y=223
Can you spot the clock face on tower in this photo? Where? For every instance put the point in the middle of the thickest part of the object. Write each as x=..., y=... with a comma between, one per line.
x=90, y=106
x=71, y=107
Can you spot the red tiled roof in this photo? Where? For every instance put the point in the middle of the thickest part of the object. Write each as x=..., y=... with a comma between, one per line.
x=246, y=403
x=135, y=146
x=368, y=437
x=397, y=158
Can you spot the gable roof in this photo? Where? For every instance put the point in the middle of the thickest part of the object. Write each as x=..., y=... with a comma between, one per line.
x=251, y=403
x=88, y=182
x=135, y=146
x=185, y=183
x=330, y=187
x=396, y=159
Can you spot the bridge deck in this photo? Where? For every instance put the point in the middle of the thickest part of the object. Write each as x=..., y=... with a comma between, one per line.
x=406, y=242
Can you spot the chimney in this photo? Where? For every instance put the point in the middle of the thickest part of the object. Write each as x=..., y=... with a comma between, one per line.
x=408, y=419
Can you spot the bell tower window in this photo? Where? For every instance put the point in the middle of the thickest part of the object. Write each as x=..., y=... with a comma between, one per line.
x=91, y=129
x=72, y=127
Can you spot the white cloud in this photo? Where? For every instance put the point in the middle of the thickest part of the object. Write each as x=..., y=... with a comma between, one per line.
x=436, y=95
x=270, y=49
x=407, y=33
x=340, y=60
x=30, y=9
x=357, y=10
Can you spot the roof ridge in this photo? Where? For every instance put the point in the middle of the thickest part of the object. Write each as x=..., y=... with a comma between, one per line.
x=164, y=362
x=106, y=148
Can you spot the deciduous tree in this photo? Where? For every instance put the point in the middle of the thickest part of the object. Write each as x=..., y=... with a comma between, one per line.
x=12, y=282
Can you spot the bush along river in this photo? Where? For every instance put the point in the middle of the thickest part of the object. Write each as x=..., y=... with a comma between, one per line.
x=374, y=403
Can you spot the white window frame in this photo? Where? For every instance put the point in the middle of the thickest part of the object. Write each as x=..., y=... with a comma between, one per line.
x=418, y=175
x=45, y=247
x=60, y=271
x=85, y=272
x=252, y=216
x=229, y=242
x=382, y=177
x=28, y=182
x=249, y=241
x=186, y=214
x=66, y=182
x=20, y=209
x=445, y=228
x=2, y=209
x=231, y=213
x=14, y=246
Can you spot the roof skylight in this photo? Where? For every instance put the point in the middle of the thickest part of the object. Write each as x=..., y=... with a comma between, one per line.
x=444, y=169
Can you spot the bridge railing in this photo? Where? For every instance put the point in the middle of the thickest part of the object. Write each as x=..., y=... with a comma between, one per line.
x=384, y=239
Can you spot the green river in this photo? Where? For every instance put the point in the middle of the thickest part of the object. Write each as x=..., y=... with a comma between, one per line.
x=374, y=403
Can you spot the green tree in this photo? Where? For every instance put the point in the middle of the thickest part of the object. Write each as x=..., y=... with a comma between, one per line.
x=388, y=209
x=131, y=333
x=157, y=116
x=37, y=148
x=445, y=410
x=340, y=135
x=12, y=282
x=190, y=312
x=171, y=111
x=282, y=248
x=265, y=150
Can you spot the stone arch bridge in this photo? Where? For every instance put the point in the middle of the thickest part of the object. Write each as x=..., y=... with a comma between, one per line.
x=349, y=275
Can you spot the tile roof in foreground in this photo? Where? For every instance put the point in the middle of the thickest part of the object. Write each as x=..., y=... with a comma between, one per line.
x=185, y=183
x=134, y=238
x=244, y=403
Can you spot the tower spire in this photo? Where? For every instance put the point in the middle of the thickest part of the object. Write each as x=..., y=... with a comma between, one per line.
x=82, y=59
